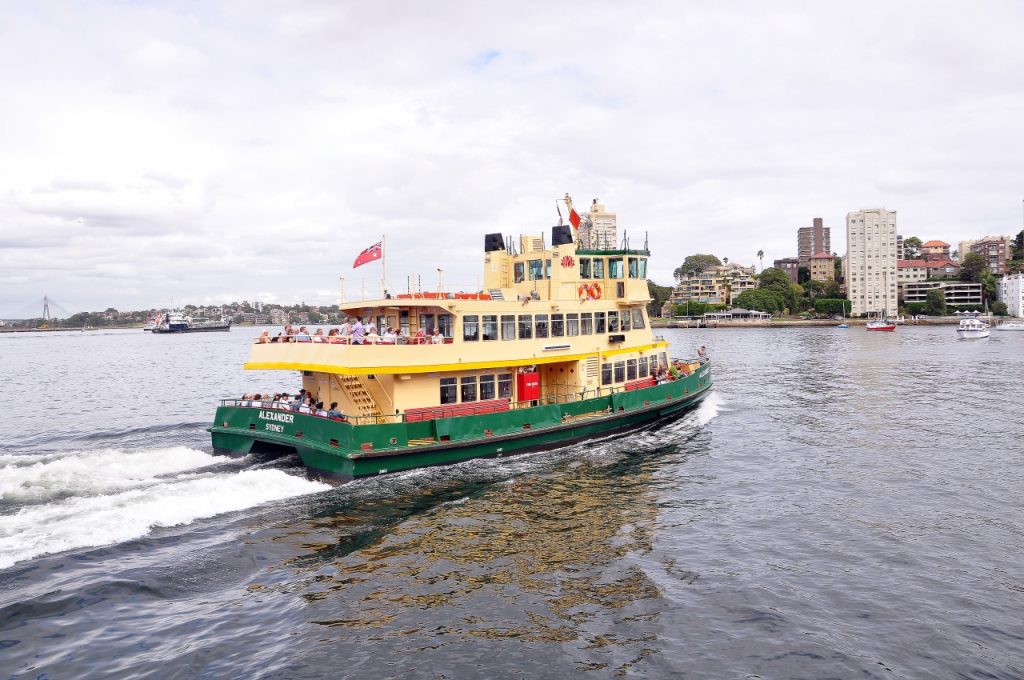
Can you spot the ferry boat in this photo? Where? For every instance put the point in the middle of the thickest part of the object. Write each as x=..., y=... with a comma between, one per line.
x=972, y=328
x=176, y=322
x=557, y=348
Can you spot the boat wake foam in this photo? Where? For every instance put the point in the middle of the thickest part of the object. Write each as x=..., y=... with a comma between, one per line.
x=34, y=479
x=99, y=520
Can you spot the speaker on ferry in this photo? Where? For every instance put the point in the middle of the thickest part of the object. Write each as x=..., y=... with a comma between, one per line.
x=493, y=242
x=561, y=235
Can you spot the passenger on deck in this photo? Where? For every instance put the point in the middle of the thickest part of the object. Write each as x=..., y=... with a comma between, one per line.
x=420, y=337
x=306, y=405
x=334, y=412
x=437, y=338
x=302, y=335
x=372, y=338
x=319, y=335
x=389, y=337
x=371, y=327
x=295, y=402
x=320, y=409
x=346, y=329
x=702, y=353
x=358, y=332
x=264, y=337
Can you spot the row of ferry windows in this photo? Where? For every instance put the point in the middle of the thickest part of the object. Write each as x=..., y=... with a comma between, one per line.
x=590, y=268
x=630, y=369
x=476, y=388
x=528, y=326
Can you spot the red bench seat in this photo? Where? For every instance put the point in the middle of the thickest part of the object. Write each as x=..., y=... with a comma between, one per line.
x=413, y=415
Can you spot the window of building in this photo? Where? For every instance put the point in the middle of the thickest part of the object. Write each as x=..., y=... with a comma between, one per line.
x=584, y=267
x=542, y=325
x=572, y=324
x=606, y=374
x=536, y=270
x=587, y=323
x=486, y=387
x=470, y=328
x=615, y=268
x=598, y=267
x=525, y=326
x=449, y=391
x=505, y=386
x=468, y=388
x=557, y=325
x=613, y=322
x=508, y=327
x=599, y=326
x=490, y=327
x=519, y=272
x=631, y=367
x=620, y=371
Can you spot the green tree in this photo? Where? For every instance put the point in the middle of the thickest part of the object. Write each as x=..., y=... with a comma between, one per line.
x=839, y=267
x=935, y=302
x=803, y=275
x=1017, y=248
x=999, y=308
x=774, y=278
x=911, y=248
x=832, y=306
x=760, y=256
x=989, y=285
x=972, y=267
x=659, y=296
x=797, y=301
x=695, y=263
x=832, y=290
x=771, y=301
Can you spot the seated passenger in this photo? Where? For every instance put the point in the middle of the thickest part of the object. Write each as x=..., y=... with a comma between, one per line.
x=334, y=412
x=302, y=335
x=372, y=338
x=420, y=337
x=320, y=409
x=264, y=337
x=389, y=337
x=319, y=335
x=437, y=338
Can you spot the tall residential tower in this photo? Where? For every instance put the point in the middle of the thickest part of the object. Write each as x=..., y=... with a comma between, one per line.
x=870, y=262
x=812, y=240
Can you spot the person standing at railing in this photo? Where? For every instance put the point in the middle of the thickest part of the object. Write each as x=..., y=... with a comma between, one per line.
x=358, y=332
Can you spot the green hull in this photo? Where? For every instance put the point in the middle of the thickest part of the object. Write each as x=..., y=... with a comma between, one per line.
x=342, y=450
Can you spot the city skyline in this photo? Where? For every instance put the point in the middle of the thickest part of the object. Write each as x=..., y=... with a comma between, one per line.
x=209, y=153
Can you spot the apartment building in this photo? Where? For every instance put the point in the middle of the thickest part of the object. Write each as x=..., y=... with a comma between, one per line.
x=717, y=285
x=811, y=240
x=1011, y=291
x=870, y=263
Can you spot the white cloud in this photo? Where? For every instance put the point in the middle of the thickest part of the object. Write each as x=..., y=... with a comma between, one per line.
x=197, y=152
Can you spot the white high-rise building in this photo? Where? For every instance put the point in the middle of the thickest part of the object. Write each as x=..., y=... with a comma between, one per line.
x=870, y=262
x=603, y=233
x=1011, y=291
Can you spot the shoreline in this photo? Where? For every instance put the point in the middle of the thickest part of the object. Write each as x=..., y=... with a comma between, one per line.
x=809, y=323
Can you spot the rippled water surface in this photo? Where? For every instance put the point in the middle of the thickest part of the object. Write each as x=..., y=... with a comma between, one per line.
x=846, y=504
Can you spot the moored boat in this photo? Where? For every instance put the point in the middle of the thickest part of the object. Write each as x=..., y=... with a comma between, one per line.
x=176, y=322
x=1010, y=327
x=556, y=349
x=972, y=328
x=881, y=325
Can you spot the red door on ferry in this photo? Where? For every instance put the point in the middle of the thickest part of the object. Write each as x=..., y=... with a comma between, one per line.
x=527, y=386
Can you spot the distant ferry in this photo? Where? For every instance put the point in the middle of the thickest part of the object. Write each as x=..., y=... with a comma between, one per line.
x=176, y=322
x=557, y=348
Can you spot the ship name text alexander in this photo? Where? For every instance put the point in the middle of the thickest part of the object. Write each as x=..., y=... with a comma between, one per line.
x=275, y=415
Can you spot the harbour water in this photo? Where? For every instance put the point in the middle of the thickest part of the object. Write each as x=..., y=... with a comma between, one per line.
x=846, y=504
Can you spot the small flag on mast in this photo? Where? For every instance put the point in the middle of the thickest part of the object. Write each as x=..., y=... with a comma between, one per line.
x=574, y=217
x=374, y=252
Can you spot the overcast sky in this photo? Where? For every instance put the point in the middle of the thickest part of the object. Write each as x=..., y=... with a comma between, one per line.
x=167, y=152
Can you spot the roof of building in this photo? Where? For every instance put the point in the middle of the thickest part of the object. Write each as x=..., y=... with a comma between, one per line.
x=935, y=264
x=907, y=264
x=935, y=244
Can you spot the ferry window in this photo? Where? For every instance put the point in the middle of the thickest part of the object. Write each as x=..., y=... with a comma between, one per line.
x=634, y=268
x=620, y=289
x=403, y=320
x=382, y=324
x=606, y=374
x=557, y=325
x=631, y=369
x=449, y=391
x=620, y=371
x=624, y=320
x=470, y=328
x=638, y=318
x=490, y=327
x=643, y=268
x=599, y=326
x=598, y=267
x=446, y=323
x=642, y=366
x=525, y=326
x=584, y=267
x=505, y=386
x=613, y=322
x=614, y=267
x=468, y=388
x=547, y=268
x=572, y=324
x=542, y=325
x=427, y=323
x=508, y=327
x=519, y=272
x=664, y=359
x=536, y=270
x=486, y=387
x=587, y=323
x=652, y=365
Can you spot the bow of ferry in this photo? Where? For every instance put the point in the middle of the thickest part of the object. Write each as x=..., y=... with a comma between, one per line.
x=558, y=349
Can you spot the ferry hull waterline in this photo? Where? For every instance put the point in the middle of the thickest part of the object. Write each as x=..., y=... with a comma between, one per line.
x=320, y=442
x=555, y=348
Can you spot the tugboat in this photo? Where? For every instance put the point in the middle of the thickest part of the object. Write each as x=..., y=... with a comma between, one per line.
x=176, y=322
x=557, y=348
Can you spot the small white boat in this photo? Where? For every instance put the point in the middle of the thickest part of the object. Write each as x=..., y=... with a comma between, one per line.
x=971, y=328
x=1010, y=327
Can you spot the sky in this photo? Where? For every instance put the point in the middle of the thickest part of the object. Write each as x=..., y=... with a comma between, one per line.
x=162, y=153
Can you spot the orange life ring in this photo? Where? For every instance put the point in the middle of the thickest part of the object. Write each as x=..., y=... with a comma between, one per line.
x=595, y=291
x=583, y=290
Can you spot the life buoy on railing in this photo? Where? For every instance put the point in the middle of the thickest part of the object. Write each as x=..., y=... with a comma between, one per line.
x=595, y=291
x=583, y=290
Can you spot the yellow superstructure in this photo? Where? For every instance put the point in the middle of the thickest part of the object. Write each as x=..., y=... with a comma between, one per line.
x=577, y=319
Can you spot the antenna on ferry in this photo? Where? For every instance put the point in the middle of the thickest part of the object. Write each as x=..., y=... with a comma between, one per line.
x=440, y=287
x=341, y=292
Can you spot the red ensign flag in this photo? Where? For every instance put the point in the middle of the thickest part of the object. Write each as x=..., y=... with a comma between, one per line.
x=574, y=218
x=374, y=252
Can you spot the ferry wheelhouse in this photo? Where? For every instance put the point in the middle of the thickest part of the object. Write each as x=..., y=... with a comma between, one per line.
x=558, y=348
